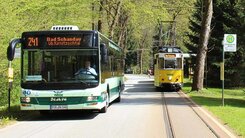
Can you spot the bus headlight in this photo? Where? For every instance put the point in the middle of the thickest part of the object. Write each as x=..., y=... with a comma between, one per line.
x=92, y=98
x=25, y=99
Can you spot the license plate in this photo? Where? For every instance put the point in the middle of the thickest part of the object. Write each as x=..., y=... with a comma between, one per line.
x=58, y=107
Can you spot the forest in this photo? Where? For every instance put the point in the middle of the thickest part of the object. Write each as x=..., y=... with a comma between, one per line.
x=136, y=26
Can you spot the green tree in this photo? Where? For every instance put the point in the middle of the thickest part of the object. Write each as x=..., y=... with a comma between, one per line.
x=228, y=18
x=203, y=46
x=130, y=23
x=28, y=15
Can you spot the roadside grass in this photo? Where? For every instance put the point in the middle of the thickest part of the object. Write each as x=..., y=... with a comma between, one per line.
x=15, y=114
x=232, y=114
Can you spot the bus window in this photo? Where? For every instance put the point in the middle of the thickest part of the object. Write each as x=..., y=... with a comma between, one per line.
x=87, y=40
x=58, y=66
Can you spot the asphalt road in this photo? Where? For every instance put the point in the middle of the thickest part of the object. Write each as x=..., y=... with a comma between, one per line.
x=140, y=114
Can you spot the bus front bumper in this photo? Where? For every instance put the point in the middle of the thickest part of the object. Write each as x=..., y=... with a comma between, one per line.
x=84, y=106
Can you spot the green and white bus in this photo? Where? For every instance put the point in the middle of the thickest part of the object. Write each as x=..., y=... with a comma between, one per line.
x=53, y=74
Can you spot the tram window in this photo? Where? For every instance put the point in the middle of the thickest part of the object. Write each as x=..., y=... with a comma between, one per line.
x=179, y=63
x=161, y=64
x=170, y=63
x=173, y=63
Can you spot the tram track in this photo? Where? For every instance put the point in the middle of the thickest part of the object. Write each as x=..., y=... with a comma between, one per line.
x=169, y=126
x=217, y=129
x=191, y=105
x=180, y=117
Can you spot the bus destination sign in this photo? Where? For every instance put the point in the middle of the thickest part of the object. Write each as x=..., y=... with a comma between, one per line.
x=54, y=41
x=63, y=41
x=45, y=40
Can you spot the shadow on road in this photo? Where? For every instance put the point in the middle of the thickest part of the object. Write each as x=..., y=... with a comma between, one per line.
x=66, y=115
x=146, y=82
x=148, y=98
x=145, y=93
x=141, y=89
x=19, y=115
x=140, y=101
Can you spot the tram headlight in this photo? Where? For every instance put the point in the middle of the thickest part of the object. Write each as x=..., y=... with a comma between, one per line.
x=169, y=78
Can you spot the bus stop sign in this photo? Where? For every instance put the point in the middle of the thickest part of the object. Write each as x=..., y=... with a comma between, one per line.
x=230, y=42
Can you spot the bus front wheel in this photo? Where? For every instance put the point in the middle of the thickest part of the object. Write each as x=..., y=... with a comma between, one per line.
x=104, y=109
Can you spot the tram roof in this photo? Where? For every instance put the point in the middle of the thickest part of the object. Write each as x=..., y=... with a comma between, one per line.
x=169, y=49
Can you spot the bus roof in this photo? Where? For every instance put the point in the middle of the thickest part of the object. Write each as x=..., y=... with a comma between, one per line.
x=64, y=27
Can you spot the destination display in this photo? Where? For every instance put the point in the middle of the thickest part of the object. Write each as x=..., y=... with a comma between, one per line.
x=56, y=40
x=170, y=55
x=63, y=41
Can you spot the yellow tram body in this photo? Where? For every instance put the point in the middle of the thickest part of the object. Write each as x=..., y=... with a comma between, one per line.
x=168, y=77
x=168, y=68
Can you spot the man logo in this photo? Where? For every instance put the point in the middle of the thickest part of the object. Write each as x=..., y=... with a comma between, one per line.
x=58, y=99
x=58, y=93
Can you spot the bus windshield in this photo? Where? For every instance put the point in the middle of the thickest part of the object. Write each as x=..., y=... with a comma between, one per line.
x=51, y=67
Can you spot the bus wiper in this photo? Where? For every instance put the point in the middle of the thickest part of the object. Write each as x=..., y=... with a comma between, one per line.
x=83, y=82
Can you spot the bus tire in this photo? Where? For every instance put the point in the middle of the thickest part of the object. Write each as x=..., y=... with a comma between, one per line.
x=104, y=109
x=119, y=97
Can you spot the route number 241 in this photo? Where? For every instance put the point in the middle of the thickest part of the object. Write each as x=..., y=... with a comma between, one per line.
x=32, y=41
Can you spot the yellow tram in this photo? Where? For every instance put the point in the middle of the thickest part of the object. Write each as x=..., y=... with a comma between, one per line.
x=168, y=68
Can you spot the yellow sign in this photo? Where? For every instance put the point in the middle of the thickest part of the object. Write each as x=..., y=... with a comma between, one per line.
x=10, y=74
x=222, y=70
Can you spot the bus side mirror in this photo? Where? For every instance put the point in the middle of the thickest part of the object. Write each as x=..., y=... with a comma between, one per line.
x=104, y=53
x=11, y=48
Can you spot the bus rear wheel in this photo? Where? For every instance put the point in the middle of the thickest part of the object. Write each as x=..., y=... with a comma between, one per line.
x=119, y=92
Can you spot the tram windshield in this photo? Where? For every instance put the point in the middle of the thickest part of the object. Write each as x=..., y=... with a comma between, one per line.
x=47, y=68
x=171, y=63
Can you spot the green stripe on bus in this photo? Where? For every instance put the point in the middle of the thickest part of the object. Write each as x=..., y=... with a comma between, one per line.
x=61, y=100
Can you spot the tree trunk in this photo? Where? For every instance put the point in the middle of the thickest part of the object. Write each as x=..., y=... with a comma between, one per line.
x=142, y=45
x=202, y=48
x=115, y=17
x=123, y=21
x=100, y=16
x=93, y=27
